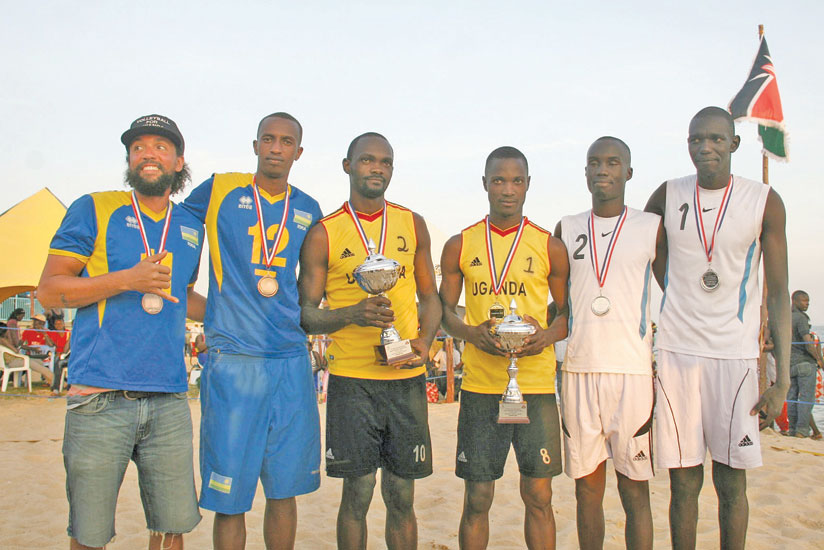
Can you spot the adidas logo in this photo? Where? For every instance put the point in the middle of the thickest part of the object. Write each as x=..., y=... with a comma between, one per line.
x=329, y=454
x=746, y=442
x=245, y=202
x=462, y=456
x=346, y=253
x=475, y=263
x=640, y=456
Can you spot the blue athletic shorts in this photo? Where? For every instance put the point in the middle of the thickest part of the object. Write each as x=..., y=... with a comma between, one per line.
x=259, y=420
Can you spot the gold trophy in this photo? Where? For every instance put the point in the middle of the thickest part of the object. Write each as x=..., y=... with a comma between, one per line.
x=376, y=275
x=511, y=333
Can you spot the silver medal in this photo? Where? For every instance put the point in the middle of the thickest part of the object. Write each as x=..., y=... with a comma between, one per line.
x=709, y=280
x=600, y=305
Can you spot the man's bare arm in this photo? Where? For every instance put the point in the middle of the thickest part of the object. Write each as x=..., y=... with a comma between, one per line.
x=314, y=265
x=657, y=204
x=61, y=285
x=774, y=247
x=195, y=305
x=431, y=311
x=450, y=292
x=812, y=348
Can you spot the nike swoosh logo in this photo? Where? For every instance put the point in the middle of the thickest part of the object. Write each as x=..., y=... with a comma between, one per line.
x=606, y=234
x=707, y=209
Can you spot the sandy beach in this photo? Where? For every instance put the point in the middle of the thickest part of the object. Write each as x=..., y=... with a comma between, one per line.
x=786, y=495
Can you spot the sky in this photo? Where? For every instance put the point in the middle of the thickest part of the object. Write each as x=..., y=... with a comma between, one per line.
x=446, y=82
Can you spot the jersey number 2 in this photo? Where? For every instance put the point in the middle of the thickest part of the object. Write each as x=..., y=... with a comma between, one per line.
x=582, y=238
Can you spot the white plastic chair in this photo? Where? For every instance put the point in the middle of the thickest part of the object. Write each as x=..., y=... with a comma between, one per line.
x=9, y=371
x=64, y=375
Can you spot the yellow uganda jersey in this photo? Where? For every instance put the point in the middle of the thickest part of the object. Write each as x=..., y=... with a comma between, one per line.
x=352, y=352
x=527, y=283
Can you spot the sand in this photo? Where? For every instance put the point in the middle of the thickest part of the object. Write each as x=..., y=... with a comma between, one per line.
x=786, y=495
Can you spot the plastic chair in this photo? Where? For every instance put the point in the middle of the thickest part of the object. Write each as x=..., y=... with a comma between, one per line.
x=9, y=371
x=64, y=375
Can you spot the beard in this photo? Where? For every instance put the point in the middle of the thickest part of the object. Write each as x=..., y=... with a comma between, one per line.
x=370, y=192
x=148, y=188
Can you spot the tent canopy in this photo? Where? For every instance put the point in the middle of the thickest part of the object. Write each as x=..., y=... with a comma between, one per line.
x=27, y=229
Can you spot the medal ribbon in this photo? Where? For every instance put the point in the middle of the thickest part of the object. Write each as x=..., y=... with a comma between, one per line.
x=498, y=284
x=270, y=257
x=142, y=228
x=354, y=215
x=601, y=274
x=719, y=218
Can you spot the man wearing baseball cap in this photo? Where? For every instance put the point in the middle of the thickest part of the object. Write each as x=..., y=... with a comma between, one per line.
x=128, y=261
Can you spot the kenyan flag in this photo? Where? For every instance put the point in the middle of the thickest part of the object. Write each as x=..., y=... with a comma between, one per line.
x=759, y=102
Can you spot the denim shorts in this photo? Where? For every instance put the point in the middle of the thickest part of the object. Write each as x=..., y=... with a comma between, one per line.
x=103, y=433
x=259, y=421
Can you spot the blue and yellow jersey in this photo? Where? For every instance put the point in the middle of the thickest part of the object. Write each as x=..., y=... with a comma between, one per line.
x=352, y=352
x=238, y=319
x=115, y=344
x=526, y=283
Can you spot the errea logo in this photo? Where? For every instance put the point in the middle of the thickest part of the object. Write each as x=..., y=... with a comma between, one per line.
x=245, y=202
x=131, y=221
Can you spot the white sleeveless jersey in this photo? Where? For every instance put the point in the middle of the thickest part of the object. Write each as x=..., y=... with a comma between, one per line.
x=621, y=340
x=724, y=323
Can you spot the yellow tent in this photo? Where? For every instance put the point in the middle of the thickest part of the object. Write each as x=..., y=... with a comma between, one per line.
x=27, y=229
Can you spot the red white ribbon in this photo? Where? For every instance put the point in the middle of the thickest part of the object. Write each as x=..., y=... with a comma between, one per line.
x=354, y=215
x=270, y=256
x=498, y=284
x=601, y=274
x=719, y=218
x=136, y=209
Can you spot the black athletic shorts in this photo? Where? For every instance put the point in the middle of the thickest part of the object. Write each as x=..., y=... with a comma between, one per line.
x=483, y=444
x=373, y=424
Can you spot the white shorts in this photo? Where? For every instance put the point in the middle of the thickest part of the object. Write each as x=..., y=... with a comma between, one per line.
x=703, y=403
x=607, y=415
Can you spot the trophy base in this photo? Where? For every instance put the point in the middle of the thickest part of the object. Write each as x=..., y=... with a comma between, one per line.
x=512, y=413
x=396, y=353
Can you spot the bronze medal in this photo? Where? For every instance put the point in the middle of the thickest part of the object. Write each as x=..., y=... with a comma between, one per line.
x=267, y=286
x=151, y=304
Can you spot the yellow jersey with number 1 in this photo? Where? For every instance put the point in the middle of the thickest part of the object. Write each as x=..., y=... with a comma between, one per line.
x=352, y=352
x=527, y=283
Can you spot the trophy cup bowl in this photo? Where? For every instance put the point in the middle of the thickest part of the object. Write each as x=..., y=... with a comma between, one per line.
x=377, y=275
x=511, y=333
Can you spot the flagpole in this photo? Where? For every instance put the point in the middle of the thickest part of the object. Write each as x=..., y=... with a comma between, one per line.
x=762, y=362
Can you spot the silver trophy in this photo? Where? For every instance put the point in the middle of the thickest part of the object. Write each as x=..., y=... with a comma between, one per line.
x=376, y=275
x=511, y=333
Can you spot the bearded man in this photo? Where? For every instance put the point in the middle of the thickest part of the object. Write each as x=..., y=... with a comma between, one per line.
x=128, y=261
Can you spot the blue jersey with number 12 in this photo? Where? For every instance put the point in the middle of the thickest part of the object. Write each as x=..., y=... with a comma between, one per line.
x=239, y=320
